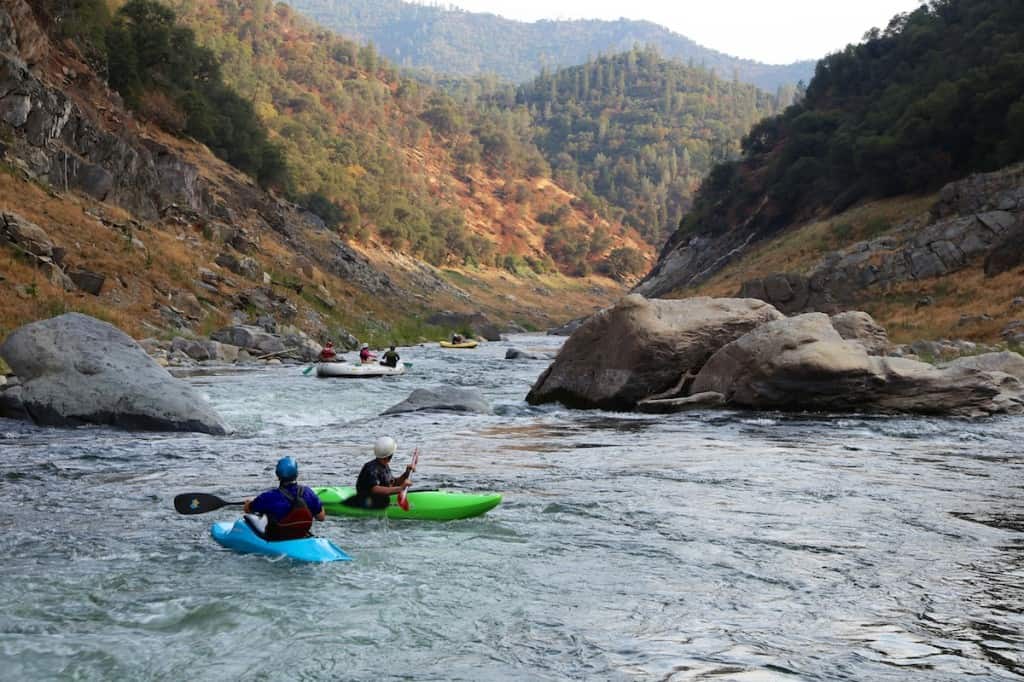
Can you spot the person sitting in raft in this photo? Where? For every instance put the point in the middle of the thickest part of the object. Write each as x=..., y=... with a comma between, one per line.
x=365, y=355
x=287, y=511
x=376, y=484
x=328, y=354
x=391, y=358
x=456, y=338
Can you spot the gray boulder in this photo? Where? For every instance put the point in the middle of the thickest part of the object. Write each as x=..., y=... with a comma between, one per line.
x=87, y=281
x=861, y=328
x=253, y=339
x=642, y=347
x=803, y=363
x=24, y=234
x=78, y=370
x=11, y=404
x=443, y=399
x=516, y=354
x=1006, y=362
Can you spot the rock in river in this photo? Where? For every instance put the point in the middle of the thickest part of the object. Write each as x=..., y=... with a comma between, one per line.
x=803, y=363
x=75, y=370
x=443, y=399
x=643, y=347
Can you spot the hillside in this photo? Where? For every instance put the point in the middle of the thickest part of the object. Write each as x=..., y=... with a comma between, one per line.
x=456, y=42
x=143, y=225
x=933, y=98
x=640, y=131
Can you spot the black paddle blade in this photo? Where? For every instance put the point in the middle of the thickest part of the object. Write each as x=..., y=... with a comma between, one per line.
x=200, y=503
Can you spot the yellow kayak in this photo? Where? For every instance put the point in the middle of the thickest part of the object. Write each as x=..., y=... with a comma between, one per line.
x=464, y=344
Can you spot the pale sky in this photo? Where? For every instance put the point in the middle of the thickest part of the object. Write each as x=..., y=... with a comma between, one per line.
x=771, y=31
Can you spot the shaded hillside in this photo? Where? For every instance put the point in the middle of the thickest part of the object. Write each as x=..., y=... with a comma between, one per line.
x=640, y=131
x=455, y=42
x=935, y=96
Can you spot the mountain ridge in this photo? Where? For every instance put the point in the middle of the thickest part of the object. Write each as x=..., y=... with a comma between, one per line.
x=420, y=36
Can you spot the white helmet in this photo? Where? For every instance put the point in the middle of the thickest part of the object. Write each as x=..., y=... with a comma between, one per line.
x=384, y=447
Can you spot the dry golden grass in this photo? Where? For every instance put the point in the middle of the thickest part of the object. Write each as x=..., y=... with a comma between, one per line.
x=965, y=293
x=800, y=248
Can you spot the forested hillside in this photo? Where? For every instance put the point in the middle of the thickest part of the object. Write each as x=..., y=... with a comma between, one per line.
x=936, y=95
x=455, y=42
x=640, y=131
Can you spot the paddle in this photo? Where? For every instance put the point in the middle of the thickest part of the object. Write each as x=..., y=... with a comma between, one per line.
x=200, y=503
x=308, y=369
x=403, y=499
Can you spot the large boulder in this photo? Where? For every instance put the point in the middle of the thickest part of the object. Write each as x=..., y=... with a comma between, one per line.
x=443, y=399
x=1006, y=362
x=861, y=328
x=76, y=370
x=642, y=347
x=25, y=235
x=253, y=339
x=803, y=363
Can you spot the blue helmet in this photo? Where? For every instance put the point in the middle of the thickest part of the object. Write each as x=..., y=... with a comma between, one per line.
x=287, y=469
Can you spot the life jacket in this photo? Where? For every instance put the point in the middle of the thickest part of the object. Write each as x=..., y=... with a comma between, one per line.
x=296, y=523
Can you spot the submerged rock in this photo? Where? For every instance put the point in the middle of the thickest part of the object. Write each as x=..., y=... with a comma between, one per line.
x=443, y=399
x=75, y=370
x=517, y=354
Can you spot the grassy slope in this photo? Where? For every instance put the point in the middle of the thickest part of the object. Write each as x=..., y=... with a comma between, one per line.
x=967, y=292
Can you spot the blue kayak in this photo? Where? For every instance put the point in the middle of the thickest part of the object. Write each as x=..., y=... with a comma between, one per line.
x=241, y=538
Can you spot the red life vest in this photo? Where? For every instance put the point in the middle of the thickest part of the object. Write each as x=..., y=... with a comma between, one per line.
x=296, y=523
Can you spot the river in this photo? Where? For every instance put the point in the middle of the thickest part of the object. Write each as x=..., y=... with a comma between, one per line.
x=708, y=545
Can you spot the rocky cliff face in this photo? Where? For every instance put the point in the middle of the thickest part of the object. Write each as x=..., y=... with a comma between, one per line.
x=68, y=131
x=980, y=217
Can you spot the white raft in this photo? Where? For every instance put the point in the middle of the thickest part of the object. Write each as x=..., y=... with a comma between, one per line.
x=355, y=371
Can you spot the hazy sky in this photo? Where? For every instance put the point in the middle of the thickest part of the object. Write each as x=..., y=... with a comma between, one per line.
x=773, y=31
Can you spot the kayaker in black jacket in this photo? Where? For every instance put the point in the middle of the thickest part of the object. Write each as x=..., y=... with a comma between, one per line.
x=391, y=358
x=376, y=484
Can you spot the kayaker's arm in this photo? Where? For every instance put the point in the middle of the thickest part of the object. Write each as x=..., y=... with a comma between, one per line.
x=391, y=489
x=321, y=516
x=247, y=507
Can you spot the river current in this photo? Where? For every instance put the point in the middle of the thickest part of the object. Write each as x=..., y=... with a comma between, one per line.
x=713, y=545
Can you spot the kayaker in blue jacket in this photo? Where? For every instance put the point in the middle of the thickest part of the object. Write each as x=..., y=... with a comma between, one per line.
x=287, y=511
x=376, y=484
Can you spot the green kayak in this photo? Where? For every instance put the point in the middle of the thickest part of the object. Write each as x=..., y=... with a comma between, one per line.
x=432, y=505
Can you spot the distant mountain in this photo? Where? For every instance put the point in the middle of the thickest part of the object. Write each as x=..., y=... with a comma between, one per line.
x=456, y=42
